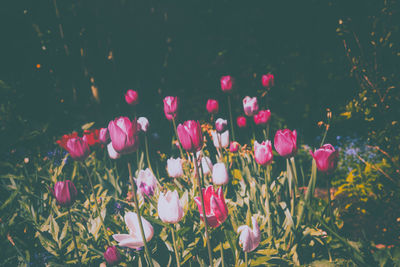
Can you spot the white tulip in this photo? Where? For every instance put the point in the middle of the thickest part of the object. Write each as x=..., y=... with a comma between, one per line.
x=220, y=174
x=174, y=167
x=249, y=239
x=112, y=153
x=146, y=182
x=143, y=123
x=169, y=207
x=220, y=140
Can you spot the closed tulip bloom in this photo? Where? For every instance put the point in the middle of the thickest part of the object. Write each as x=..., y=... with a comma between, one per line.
x=134, y=239
x=112, y=153
x=234, y=147
x=78, y=148
x=131, y=97
x=169, y=207
x=206, y=164
x=263, y=152
x=111, y=255
x=190, y=136
x=124, y=135
x=268, y=80
x=146, y=182
x=104, y=136
x=212, y=106
x=170, y=107
x=65, y=193
x=241, y=121
x=220, y=125
x=220, y=174
x=174, y=167
x=262, y=117
x=285, y=142
x=226, y=83
x=215, y=206
x=249, y=239
x=220, y=139
x=326, y=158
x=143, y=124
x=250, y=105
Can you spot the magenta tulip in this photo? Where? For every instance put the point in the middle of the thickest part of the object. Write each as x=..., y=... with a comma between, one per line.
x=124, y=135
x=104, y=136
x=262, y=117
x=170, y=107
x=190, y=135
x=112, y=256
x=241, y=121
x=131, y=97
x=263, y=152
x=214, y=205
x=226, y=83
x=285, y=142
x=65, y=193
x=220, y=125
x=212, y=106
x=326, y=158
x=78, y=148
x=268, y=80
x=234, y=147
x=250, y=106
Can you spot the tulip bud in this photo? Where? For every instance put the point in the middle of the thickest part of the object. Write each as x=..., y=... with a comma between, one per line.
x=169, y=207
x=250, y=105
x=143, y=124
x=220, y=175
x=241, y=121
x=170, y=107
x=206, y=164
x=326, y=158
x=104, y=136
x=215, y=206
x=234, y=147
x=174, y=167
x=285, y=142
x=220, y=140
x=263, y=152
x=212, y=106
x=249, y=239
x=190, y=136
x=124, y=135
x=220, y=125
x=262, y=117
x=112, y=153
x=78, y=148
x=146, y=182
x=268, y=80
x=111, y=255
x=65, y=193
x=226, y=83
x=131, y=97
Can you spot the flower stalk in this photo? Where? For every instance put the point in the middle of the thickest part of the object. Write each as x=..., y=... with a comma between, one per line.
x=74, y=237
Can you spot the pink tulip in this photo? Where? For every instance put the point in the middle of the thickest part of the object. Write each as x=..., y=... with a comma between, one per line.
x=285, y=142
x=249, y=239
x=220, y=125
x=104, y=136
x=190, y=135
x=268, y=80
x=212, y=106
x=326, y=158
x=143, y=124
x=65, y=193
x=111, y=255
x=250, y=105
x=263, y=152
x=78, y=148
x=171, y=107
x=146, y=183
x=214, y=205
x=234, y=147
x=226, y=83
x=262, y=117
x=131, y=97
x=241, y=121
x=124, y=135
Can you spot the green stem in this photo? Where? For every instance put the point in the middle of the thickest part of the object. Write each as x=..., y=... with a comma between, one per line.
x=97, y=205
x=246, y=260
x=222, y=254
x=175, y=247
x=267, y=179
x=309, y=193
x=147, y=152
x=203, y=209
x=177, y=138
x=230, y=116
x=150, y=260
x=291, y=190
x=74, y=237
x=331, y=217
